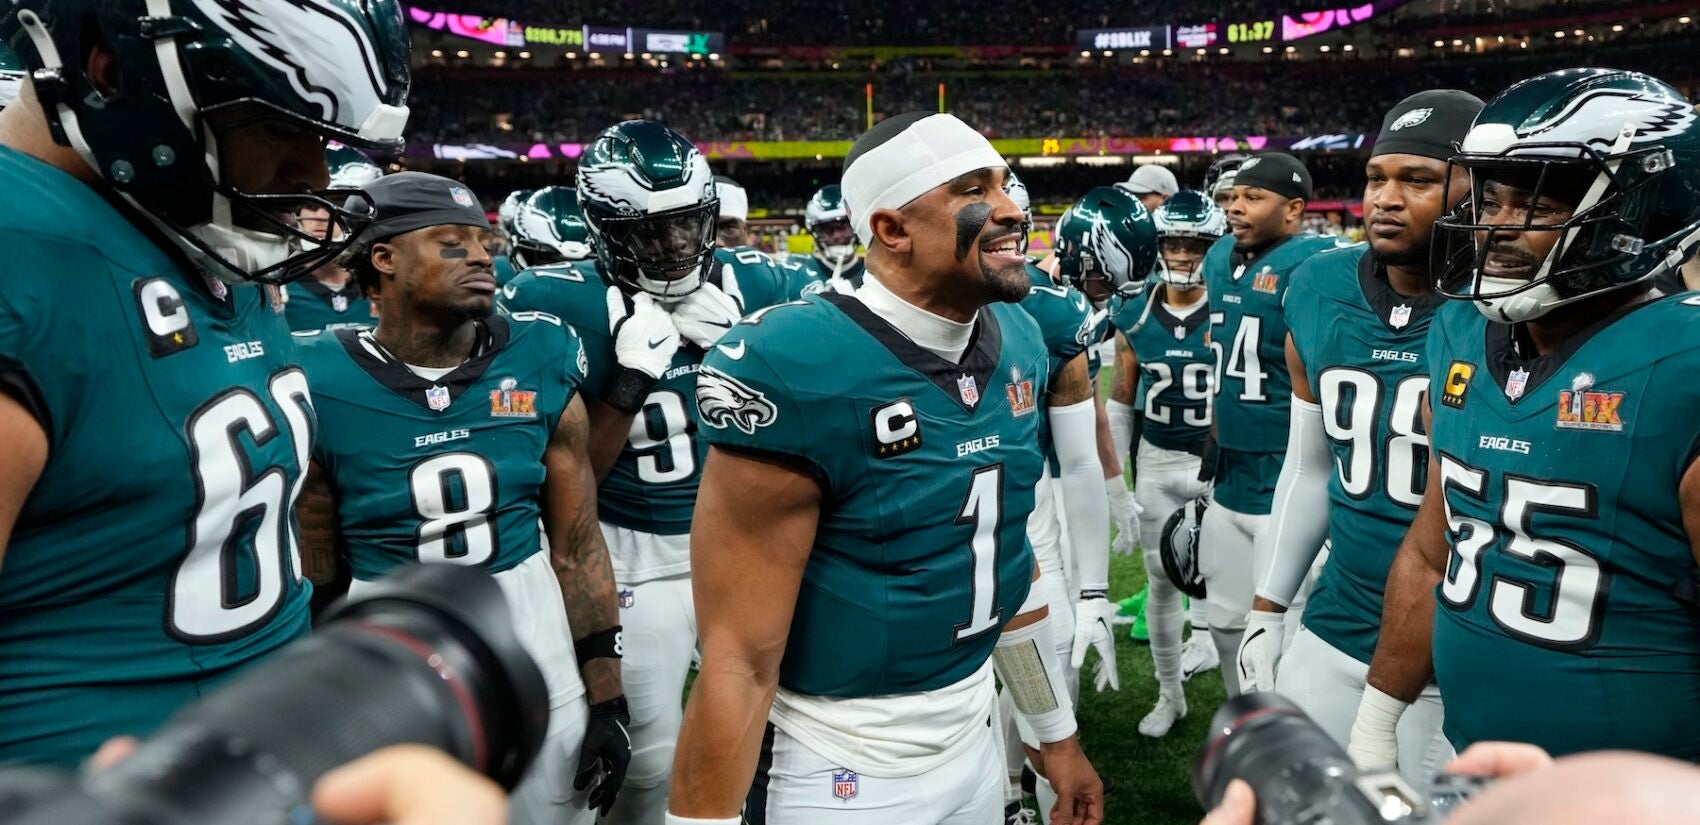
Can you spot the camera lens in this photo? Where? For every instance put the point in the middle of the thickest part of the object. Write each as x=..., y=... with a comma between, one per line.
x=1265, y=740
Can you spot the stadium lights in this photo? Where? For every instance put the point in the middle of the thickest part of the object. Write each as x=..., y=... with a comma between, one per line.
x=1223, y=50
x=647, y=55
x=835, y=65
x=1203, y=51
x=1085, y=54
x=1346, y=48
x=463, y=54
x=525, y=55
x=1101, y=160
x=1502, y=38
x=1268, y=49
x=1524, y=44
x=629, y=55
x=1559, y=35
x=436, y=52
x=1144, y=52
x=1108, y=53
x=1323, y=49
x=499, y=55
x=574, y=55
x=1617, y=28
x=1037, y=162
x=714, y=56
x=1456, y=42
x=1439, y=44
x=1683, y=20
x=1167, y=52
x=1291, y=49
x=1579, y=32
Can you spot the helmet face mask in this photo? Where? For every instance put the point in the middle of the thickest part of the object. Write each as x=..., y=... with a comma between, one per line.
x=204, y=75
x=1578, y=186
x=1017, y=191
x=1187, y=225
x=651, y=206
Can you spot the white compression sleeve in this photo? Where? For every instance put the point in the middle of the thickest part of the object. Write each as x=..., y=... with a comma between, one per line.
x=1026, y=662
x=1074, y=432
x=1298, y=520
x=1121, y=426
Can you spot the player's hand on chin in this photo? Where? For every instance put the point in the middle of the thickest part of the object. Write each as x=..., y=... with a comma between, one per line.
x=1080, y=793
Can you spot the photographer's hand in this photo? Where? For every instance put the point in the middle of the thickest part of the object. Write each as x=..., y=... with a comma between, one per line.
x=409, y=785
x=1239, y=806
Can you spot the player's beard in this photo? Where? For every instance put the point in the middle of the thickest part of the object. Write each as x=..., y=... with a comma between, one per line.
x=1006, y=283
x=1414, y=255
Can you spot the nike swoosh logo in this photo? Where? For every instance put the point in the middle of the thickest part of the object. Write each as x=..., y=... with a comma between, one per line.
x=658, y=342
x=509, y=292
x=733, y=351
x=726, y=325
x=1248, y=639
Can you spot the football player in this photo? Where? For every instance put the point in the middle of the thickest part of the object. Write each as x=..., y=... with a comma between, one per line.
x=1357, y=450
x=328, y=298
x=506, y=214
x=1548, y=580
x=1247, y=274
x=666, y=258
x=156, y=425
x=834, y=261
x=732, y=230
x=1219, y=179
x=1152, y=184
x=881, y=513
x=549, y=228
x=1168, y=348
x=450, y=435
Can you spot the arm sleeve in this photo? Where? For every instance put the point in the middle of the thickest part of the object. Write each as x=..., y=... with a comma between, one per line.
x=1121, y=426
x=1299, y=515
x=1074, y=434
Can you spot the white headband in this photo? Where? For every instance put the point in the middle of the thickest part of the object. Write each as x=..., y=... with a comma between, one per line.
x=734, y=201
x=930, y=152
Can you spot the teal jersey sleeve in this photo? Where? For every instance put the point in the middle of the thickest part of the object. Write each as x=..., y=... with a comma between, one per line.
x=314, y=306
x=1363, y=350
x=760, y=280
x=576, y=295
x=917, y=459
x=447, y=470
x=1561, y=477
x=503, y=268
x=1064, y=320
x=154, y=557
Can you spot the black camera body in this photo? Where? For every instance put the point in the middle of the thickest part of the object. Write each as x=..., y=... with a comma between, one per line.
x=428, y=656
x=1303, y=777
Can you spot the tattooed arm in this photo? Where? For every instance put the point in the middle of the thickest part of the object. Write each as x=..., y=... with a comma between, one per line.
x=315, y=511
x=576, y=549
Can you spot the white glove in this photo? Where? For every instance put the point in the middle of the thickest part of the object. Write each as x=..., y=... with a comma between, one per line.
x=1260, y=649
x=1125, y=512
x=705, y=315
x=644, y=337
x=1093, y=617
x=1374, y=741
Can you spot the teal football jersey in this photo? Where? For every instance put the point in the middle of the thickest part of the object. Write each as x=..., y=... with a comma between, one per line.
x=652, y=487
x=806, y=275
x=1253, y=390
x=156, y=554
x=1554, y=623
x=926, y=469
x=313, y=306
x=1177, y=373
x=447, y=470
x=502, y=267
x=1362, y=345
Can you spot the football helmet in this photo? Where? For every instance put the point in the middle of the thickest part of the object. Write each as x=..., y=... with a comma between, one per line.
x=650, y=203
x=550, y=229
x=509, y=210
x=191, y=70
x=11, y=76
x=351, y=169
x=1187, y=214
x=1106, y=245
x=828, y=219
x=1178, y=547
x=1621, y=146
x=1220, y=177
x=1017, y=191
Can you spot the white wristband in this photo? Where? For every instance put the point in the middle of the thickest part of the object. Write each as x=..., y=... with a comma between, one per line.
x=671, y=819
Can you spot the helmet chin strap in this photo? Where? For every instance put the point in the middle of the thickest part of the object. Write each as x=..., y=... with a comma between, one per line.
x=1527, y=305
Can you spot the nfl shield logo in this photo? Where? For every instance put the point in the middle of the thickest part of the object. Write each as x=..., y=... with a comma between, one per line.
x=1180, y=333
x=1400, y=317
x=626, y=599
x=461, y=196
x=1515, y=382
x=970, y=393
x=844, y=784
x=437, y=398
x=339, y=303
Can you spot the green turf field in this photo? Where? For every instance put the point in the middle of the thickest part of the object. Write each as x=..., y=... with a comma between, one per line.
x=1152, y=776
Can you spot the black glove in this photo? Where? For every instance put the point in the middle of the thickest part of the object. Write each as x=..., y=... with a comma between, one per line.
x=606, y=753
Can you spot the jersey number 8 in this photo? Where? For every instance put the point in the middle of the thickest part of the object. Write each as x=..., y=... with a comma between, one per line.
x=454, y=494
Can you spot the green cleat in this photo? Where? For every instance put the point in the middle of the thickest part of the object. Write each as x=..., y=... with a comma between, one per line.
x=1134, y=606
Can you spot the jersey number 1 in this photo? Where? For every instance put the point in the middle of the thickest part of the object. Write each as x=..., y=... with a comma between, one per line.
x=983, y=509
